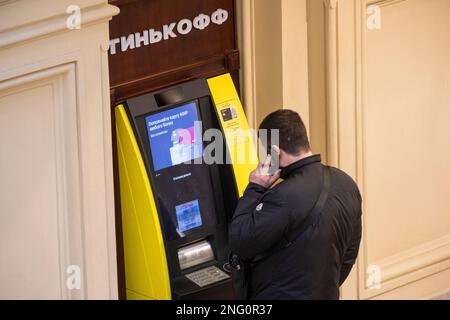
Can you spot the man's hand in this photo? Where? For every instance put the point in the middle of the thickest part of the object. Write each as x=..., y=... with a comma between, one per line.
x=261, y=174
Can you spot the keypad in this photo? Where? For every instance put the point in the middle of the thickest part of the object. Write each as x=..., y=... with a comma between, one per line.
x=207, y=276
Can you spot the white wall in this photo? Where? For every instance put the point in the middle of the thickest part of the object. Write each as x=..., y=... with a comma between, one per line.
x=56, y=182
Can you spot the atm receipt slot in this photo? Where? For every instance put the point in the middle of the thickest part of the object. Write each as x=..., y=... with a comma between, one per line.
x=195, y=254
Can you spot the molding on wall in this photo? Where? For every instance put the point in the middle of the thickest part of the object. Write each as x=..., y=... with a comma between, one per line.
x=245, y=11
x=424, y=288
x=360, y=11
x=331, y=4
x=62, y=79
x=382, y=3
x=108, y=167
x=442, y=296
x=332, y=75
x=5, y=2
x=413, y=260
x=50, y=25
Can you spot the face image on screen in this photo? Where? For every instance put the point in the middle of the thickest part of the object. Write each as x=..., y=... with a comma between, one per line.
x=188, y=216
x=173, y=136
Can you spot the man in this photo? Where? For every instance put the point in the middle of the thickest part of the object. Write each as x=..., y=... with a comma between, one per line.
x=314, y=263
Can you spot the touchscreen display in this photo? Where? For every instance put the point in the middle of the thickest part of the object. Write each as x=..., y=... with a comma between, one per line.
x=188, y=216
x=174, y=136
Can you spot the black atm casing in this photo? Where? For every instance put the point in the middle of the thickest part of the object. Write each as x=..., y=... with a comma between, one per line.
x=222, y=181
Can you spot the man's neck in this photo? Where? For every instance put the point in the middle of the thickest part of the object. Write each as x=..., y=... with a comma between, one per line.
x=290, y=159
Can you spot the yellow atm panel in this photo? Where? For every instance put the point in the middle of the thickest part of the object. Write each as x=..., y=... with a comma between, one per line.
x=179, y=187
x=239, y=138
x=147, y=275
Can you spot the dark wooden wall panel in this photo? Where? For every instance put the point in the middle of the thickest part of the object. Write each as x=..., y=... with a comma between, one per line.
x=201, y=53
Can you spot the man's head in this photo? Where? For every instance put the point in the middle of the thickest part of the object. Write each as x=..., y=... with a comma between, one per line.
x=293, y=138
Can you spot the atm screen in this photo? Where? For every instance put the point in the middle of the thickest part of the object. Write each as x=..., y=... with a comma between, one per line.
x=182, y=185
x=174, y=136
x=188, y=216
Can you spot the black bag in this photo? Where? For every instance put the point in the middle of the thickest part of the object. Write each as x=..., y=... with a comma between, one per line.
x=239, y=276
x=240, y=270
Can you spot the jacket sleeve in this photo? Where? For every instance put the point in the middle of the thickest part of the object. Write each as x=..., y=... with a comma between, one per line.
x=259, y=221
x=352, y=251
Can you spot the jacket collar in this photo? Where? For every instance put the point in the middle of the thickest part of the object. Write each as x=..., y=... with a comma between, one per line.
x=285, y=172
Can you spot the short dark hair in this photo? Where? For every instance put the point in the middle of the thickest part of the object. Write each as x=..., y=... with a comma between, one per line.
x=293, y=137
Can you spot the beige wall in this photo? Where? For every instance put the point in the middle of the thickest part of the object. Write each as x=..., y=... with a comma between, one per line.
x=379, y=109
x=56, y=182
x=273, y=42
x=317, y=76
x=268, y=57
x=406, y=172
x=295, y=57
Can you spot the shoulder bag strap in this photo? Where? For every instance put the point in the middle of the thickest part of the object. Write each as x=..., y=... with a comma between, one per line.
x=311, y=218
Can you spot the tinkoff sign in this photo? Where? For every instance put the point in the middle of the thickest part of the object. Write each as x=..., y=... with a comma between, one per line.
x=168, y=31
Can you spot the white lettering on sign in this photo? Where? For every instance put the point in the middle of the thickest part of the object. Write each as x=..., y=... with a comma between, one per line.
x=184, y=26
x=141, y=39
x=127, y=42
x=219, y=16
x=168, y=31
x=201, y=21
x=155, y=36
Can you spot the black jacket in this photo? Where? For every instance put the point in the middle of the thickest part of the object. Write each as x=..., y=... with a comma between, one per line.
x=320, y=259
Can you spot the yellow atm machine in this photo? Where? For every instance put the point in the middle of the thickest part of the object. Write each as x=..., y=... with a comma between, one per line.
x=175, y=204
